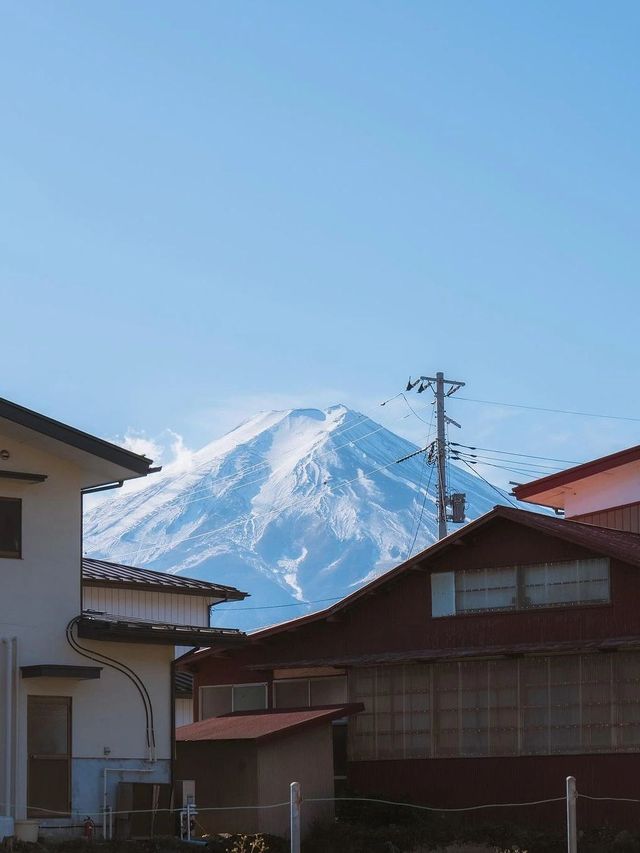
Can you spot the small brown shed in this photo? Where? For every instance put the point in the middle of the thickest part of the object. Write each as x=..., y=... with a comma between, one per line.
x=250, y=759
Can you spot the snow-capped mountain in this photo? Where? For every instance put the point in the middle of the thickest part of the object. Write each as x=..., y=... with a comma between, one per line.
x=296, y=507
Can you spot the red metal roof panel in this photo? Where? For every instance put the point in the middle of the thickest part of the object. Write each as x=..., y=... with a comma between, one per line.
x=260, y=725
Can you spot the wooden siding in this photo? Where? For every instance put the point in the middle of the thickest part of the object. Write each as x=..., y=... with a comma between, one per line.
x=161, y=606
x=620, y=517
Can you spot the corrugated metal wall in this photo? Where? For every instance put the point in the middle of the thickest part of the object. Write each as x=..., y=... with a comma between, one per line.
x=169, y=607
x=620, y=517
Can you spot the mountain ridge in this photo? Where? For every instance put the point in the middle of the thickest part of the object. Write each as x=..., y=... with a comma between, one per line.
x=297, y=506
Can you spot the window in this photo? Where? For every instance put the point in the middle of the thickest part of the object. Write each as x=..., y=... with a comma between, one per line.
x=219, y=699
x=520, y=587
x=564, y=704
x=10, y=527
x=310, y=692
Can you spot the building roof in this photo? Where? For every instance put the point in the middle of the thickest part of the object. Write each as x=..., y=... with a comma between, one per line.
x=73, y=437
x=93, y=625
x=106, y=574
x=617, y=544
x=263, y=725
x=535, y=492
x=461, y=653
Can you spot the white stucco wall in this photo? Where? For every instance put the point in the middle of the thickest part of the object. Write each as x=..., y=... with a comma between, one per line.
x=39, y=595
x=613, y=488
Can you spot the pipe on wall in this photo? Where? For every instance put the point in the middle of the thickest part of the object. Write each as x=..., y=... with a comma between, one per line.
x=10, y=654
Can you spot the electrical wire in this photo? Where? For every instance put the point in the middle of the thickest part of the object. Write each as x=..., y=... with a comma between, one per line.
x=424, y=503
x=502, y=494
x=532, y=466
x=123, y=669
x=513, y=453
x=243, y=519
x=548, y=409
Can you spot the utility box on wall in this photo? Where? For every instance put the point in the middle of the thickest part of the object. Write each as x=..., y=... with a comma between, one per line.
x=144, y=810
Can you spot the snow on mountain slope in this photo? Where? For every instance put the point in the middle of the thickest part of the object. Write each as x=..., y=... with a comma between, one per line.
x=296, y=507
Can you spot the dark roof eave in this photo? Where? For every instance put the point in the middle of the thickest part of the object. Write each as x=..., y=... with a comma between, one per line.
x=74, y=437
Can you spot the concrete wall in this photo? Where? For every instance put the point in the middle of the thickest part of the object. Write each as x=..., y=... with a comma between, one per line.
x=39, y=594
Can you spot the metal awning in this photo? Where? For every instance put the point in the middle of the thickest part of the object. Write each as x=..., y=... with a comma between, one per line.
x=56, y=670
x=120, y=629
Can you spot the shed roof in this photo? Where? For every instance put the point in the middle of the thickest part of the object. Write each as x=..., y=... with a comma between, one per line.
x=263, y=725
x=103, y=573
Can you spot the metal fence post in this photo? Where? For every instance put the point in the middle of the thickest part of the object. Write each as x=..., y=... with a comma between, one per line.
x=572, y=829
x=296, y=799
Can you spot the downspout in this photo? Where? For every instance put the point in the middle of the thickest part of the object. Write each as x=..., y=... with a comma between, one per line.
x=16, y=719
x=8, y=647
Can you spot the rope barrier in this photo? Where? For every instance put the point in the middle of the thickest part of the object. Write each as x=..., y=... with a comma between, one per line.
x=200, y=809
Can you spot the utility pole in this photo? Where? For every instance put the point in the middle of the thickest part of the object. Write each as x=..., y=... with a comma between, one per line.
x=438, y=383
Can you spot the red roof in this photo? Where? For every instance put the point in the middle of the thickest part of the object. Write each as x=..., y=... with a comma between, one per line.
x=261, y=725
x=578, y=472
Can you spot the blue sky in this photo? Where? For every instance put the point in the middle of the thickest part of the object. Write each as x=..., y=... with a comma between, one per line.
x=211, y=208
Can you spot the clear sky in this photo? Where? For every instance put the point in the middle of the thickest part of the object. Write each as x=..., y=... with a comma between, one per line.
x=210, y=208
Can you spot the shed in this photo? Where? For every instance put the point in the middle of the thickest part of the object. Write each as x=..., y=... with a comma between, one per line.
x=250, y=759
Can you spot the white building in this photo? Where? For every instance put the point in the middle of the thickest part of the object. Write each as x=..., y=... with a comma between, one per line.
x=86, y=647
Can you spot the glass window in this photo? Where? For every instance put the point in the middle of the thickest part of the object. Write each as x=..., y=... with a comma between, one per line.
x=574, y=582
x=215, y=701
x=291, y=694
x=10, y=527
x=564, y=704
x=219, y=699
x=328, y=691
x=486, y=589
x=520, y=587
x=249, y=697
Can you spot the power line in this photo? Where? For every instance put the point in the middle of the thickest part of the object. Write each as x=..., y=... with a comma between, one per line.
x=502, y=494
x=534, y=466
x=262, y=478
x=546, y=409
x=514, y=453
x=246, y=516
x=292, y=604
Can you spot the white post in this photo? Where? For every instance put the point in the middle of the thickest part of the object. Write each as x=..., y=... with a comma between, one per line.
x=572, y=830
x=296, y=800
x=189, y=819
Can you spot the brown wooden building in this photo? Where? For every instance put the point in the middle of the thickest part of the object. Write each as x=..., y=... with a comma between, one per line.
x=491, y=666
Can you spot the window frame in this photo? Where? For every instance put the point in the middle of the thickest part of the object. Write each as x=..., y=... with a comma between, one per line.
x=232, y=686
x=520, y=578
x=14, y=555
x=309, y=679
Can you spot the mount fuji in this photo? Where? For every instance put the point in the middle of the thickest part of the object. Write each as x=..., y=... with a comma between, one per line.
x=296, y=507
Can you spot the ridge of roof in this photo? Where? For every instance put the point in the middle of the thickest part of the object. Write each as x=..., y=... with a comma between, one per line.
x=103, y=573
x=615, y=543
x=577, y=472
x=74, y=437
